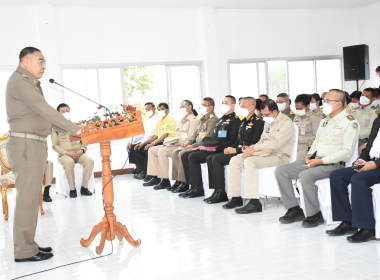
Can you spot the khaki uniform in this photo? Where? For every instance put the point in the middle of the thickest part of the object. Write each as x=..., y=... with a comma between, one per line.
x=277, y=136
x=29, y=113
x=351, y=111
x=335, y=143
x=158, y=158
x=307, y=129
x=205, y=129
x=49, y=173
x=366, y=116
x=289, y=113
x=61, y=144
x=318, y=112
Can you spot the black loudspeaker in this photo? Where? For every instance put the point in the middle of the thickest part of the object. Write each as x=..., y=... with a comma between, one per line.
x=356, y=63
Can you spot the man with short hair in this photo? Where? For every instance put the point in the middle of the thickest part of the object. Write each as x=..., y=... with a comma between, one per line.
x=205, y=129
x=366, y=115
x=150, y=128
x=263, y=97
x=249, y=133
x=166, y=128
x=283, y=103
x=274, y=148
x=30, y=120
x=334, y=144
x=71, y=152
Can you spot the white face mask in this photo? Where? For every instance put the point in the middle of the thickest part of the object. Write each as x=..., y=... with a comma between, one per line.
x=257, y=112
x=355, y=105
x=203, y=111
x=375, y=103
x=281, y=107
x=244, y=112
x=364, y=100
x=268, y=120
x=183, y=111
x=301, y=113
x=66, y=115
x=149, y=113
x=237, y=109
x=313, y=106
x=327, y=109
x=162, y=113
x=225, y=108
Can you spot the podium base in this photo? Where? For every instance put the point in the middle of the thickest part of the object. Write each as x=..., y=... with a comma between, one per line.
x=116, y=229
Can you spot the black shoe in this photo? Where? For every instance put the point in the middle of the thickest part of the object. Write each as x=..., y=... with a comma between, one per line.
x=210, y=197
x=73, y=193
x=40, y=256
x=313, y=221
x=363, y=235
x=140, y=176
x=293, y=214
x=164, y=184
x=46, y=196
x=220, y=196
x=85, y=191
x=342, y=229
x=148, y=178
x=197, y=192
x=45, y=249
x=234, y=202
x=172, y=188
x=191, y=189
x=134, y=171
x=183, y=187
x=252, y=206
x=153, y=181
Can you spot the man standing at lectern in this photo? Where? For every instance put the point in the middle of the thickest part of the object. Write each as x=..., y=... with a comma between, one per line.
x=30, y=120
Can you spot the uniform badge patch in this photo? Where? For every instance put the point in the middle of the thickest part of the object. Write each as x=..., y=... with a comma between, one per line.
x=354, y=125
x=351, y=118
x=285, y=118
x=377, y=112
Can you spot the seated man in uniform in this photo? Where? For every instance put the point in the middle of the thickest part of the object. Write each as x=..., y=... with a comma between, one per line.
x=359, y=212
x=150, y=128
x=205, y=129
x=166, y=128
x=334, y=144
x=225, y=133
x=366, y=114
x=274, y=148
x=158, y=160
x=307, y=124
x=355, y=99
x=283, y=103
x=71, y=152
x=249, y=133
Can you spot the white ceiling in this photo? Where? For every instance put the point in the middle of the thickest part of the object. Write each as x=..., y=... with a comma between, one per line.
x=222, y=4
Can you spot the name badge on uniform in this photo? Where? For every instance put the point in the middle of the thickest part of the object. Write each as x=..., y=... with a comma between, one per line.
x=222, y=133
x=202, y=135
x=184, y=135
x=303, y=131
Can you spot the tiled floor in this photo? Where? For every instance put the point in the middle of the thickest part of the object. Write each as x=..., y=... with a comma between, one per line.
x=185, y=239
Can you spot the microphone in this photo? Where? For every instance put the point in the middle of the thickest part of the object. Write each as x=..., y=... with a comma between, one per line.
x=100, y=106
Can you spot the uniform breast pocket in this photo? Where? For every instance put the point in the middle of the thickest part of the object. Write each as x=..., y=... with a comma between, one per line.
x=336, y=134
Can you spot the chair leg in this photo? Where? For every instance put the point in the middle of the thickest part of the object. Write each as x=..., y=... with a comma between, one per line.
x=5, y=202
x=42, y=199
x=265, y=202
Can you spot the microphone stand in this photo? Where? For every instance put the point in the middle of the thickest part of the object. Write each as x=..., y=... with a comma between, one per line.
x=101, y=106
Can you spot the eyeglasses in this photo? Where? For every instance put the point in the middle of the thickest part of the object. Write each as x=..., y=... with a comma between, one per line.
x=280, y=101
x=267, y=115
x=329, y=100
x=204, y=105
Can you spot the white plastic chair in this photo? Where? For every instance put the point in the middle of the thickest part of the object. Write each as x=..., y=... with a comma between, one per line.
x=62, y=184
x=324, y=192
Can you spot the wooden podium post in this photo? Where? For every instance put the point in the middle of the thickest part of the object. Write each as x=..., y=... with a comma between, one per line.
x=108, y=231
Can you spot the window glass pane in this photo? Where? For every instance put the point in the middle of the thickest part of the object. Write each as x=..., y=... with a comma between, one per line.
x=243, y=79
x=185, y=84
x=110, y=87
x=4, y=76
x=145, y=84
x=277, y=78
x=262, y=78
x=329, y=75
x=301, y=78
x=84, y=82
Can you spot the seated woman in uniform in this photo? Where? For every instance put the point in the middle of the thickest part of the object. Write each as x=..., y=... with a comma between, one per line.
x=307, y=124
x=315, y=105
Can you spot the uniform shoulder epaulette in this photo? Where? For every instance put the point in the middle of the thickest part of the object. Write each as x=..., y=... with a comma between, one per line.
x=377, y=112
x=320, y=109
x=291, y=112
x=351, y=118
x=284, y=117
x=236, y=117
x=257, y=118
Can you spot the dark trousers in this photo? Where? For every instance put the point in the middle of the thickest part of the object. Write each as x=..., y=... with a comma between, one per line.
x=215, y=165
x=360, y=211
x=141, y=156
x=191, y=162
x=132, y=154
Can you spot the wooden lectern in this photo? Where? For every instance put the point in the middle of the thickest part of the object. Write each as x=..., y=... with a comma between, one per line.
x=104, y=132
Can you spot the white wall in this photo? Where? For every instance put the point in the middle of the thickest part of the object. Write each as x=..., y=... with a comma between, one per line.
x=72, y=36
